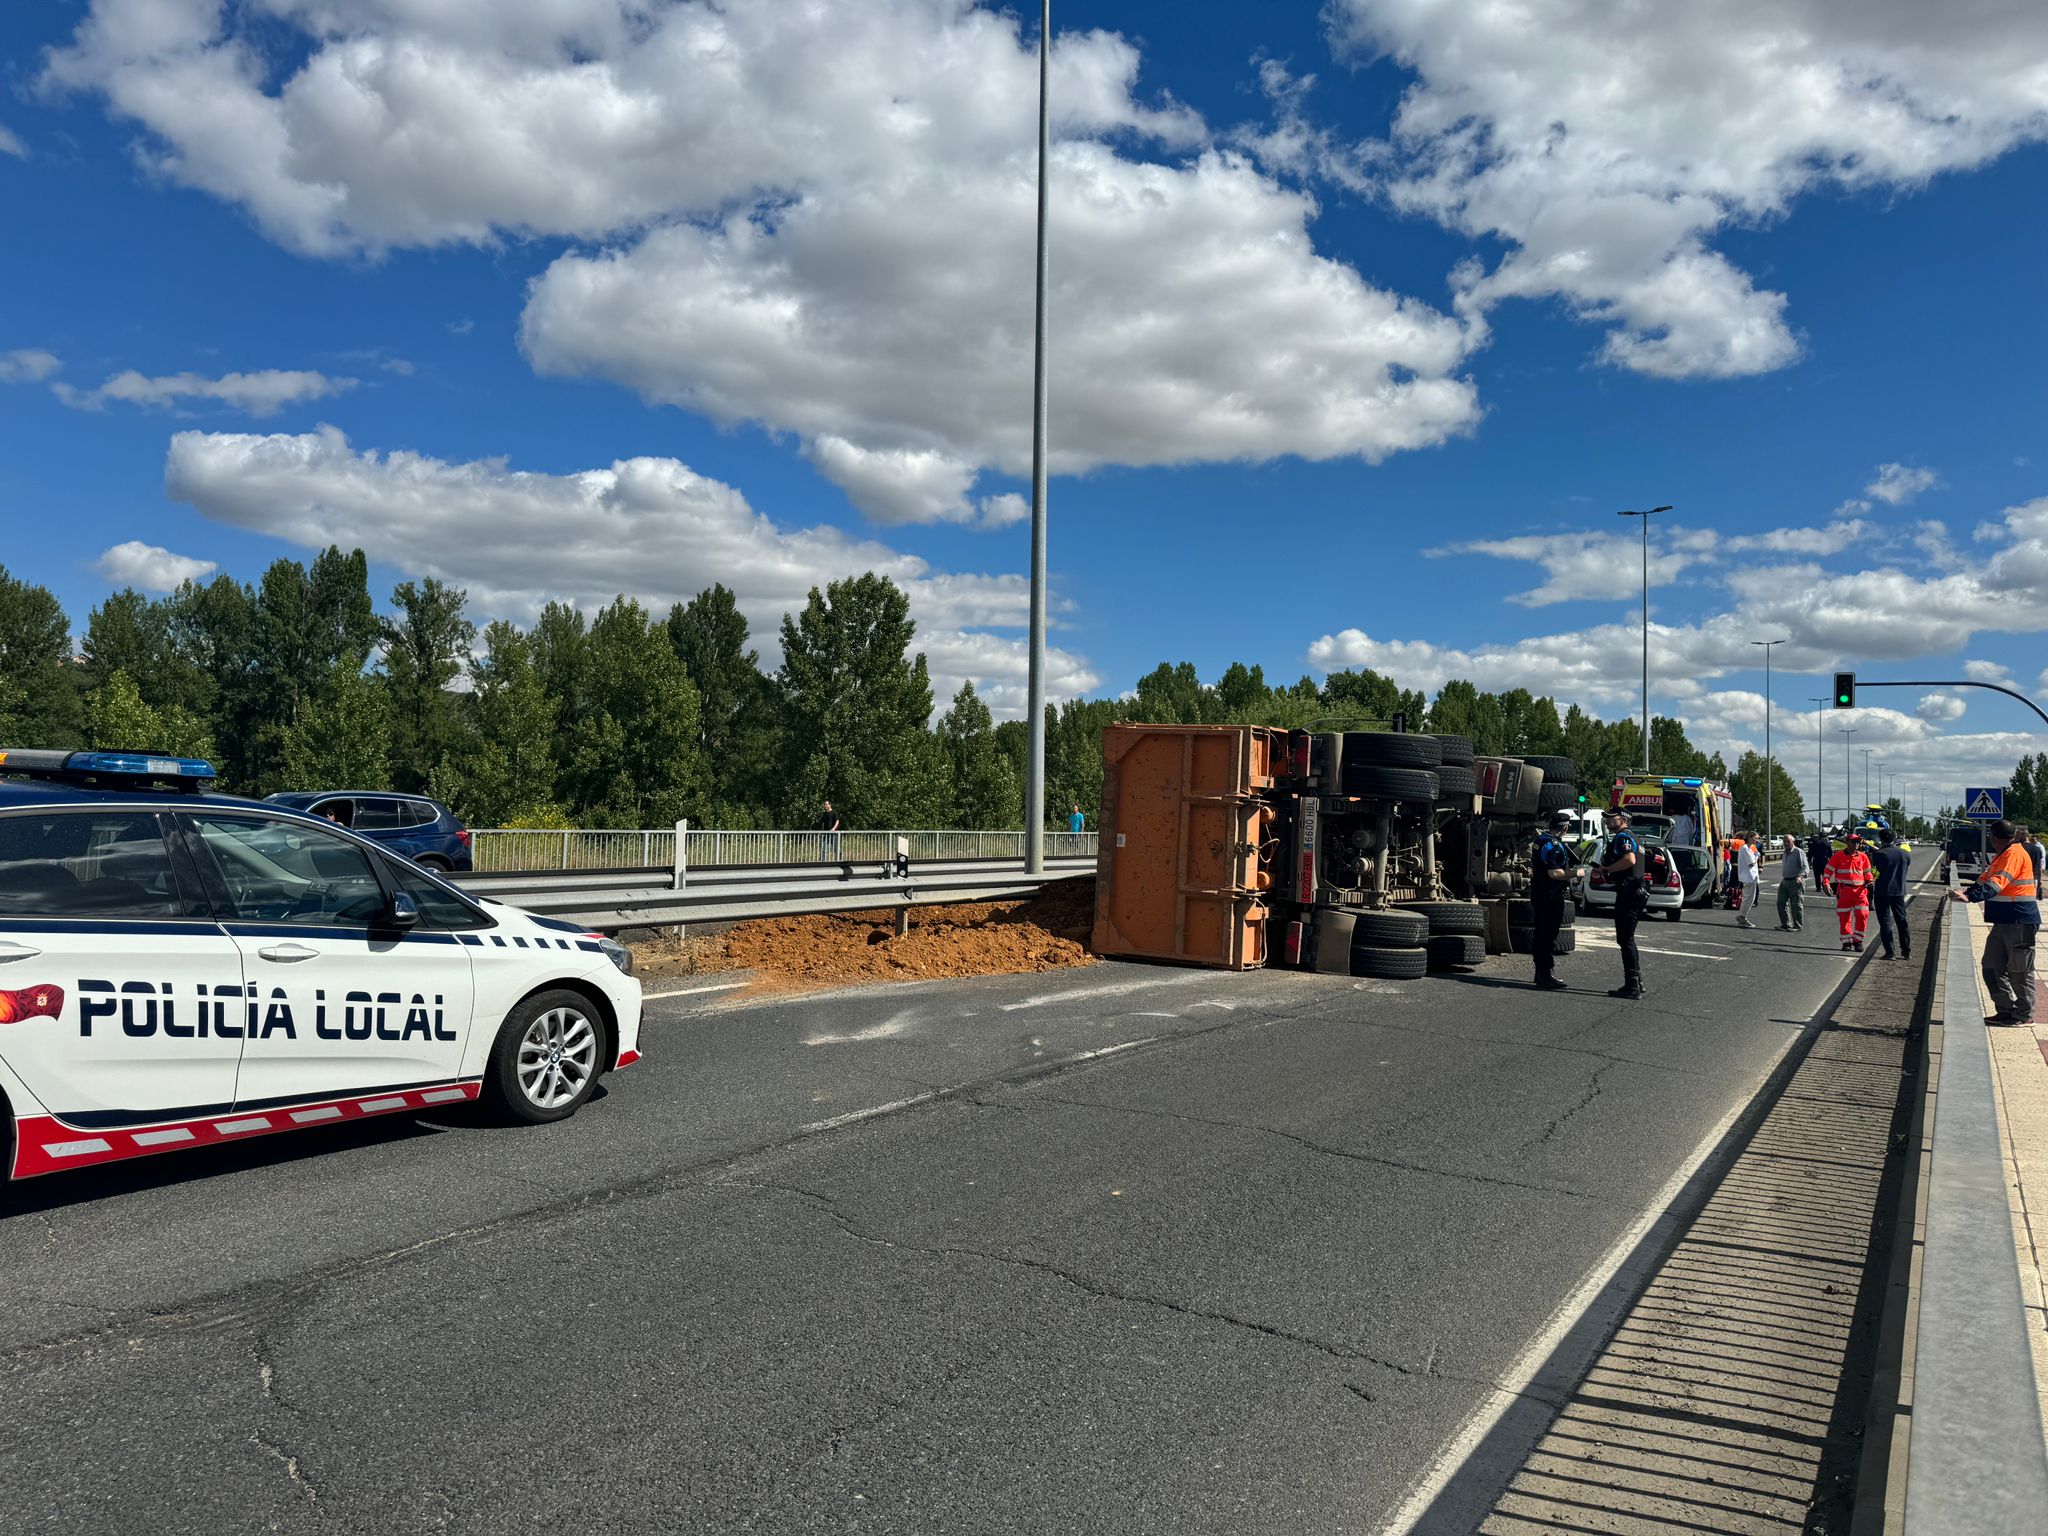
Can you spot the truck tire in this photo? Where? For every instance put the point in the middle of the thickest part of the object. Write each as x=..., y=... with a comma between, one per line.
x=1524, y=941
x=1450, y=916
x=1333, y=941
x=1395, y=751
x=1373, y=782
x=1555, y=769
x=1557, y=797
x=1456, y=781
x=1448, y=949
x=1521, y=912
x=1389, y=964
x=1390, y=930
x=1457, y=749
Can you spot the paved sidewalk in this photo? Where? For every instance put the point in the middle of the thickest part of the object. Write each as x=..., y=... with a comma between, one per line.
x=2019, y=1065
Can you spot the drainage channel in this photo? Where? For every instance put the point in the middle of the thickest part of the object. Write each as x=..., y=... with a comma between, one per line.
x=1734, y=1394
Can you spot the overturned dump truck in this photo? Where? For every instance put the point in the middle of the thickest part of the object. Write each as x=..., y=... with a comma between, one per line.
x=1364, y=853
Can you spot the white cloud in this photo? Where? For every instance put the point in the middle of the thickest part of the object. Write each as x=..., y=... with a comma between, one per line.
x=1831, y=540
x=262, y=393
x=818, y=218
x=1581, y=564
x=12, y=145
x=648, y=527
x=1608, y=145
x=1897, y=484
x=27, y=365
x=150, y=567
x=1938, y=708
x=1858, y=618
x=1932, y=540
x=1988, y=672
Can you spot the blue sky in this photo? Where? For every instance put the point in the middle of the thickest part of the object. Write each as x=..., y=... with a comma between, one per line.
x=1337, y=379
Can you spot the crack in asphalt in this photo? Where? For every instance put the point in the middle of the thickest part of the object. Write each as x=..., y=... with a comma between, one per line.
x=1592, y=1093
x=1323, y=1148
x=292, y=1469
x=1078, y=1281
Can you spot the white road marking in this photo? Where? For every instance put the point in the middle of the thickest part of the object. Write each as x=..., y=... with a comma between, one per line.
x=1584, y=1305
x=723, y=986
x=855, y=1116
x=253, y=1123
x=163, y=1138
x=1114, y=989
x=1214, y=1002
x=884, y=1031
x=1586, y=941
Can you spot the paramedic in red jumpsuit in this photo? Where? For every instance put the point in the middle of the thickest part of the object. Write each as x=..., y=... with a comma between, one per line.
x=1850, y=876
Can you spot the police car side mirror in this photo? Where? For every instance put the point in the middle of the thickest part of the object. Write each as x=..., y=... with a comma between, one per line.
x=404, y=913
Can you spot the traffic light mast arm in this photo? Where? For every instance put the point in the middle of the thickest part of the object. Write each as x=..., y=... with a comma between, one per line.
x=1865, y=682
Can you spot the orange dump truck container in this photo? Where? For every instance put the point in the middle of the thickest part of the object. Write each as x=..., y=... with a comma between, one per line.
x=1177, y=876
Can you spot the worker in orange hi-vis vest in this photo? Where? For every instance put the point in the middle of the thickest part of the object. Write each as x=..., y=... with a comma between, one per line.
x=1850, y=876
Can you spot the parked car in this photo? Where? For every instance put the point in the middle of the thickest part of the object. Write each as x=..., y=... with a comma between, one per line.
x=1592, y=893
x=421, y=829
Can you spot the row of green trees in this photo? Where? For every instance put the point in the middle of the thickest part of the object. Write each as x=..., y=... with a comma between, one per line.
x=632, y=718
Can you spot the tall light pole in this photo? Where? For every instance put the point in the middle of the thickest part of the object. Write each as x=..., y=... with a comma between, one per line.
x=1820, y=742
x=1848, y=775
x=1866, y=773
x=1770, y=825
x=1034, y=775
x=1646, y=514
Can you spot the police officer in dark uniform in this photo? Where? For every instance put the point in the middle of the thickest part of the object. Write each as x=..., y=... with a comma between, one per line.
x=1621, y=860
x=1552, y=870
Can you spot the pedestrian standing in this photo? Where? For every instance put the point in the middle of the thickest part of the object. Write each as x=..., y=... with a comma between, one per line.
x=1849, y=877
x=1791, y=880
x=828, y=825
x=1552, y=865
x=1622, y=863
x=1818, y=851
x=1076, y=822
x=1749, y=878
x=1890, y=863
x=1685, y=832
x=2035, y=851
x=2012, y=916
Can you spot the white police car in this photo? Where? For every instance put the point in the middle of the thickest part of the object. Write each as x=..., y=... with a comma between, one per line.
x=179, y=968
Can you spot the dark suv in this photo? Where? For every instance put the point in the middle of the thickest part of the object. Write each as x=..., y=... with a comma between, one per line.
x=423, y=830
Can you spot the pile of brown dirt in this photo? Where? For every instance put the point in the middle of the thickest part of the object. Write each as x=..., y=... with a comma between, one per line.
x=1048, y=932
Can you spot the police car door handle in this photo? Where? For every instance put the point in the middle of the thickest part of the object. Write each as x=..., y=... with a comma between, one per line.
x=9, y=950
x=287, y=953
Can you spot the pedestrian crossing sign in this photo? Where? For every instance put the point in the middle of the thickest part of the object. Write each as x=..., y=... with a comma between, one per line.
x=1984, y=804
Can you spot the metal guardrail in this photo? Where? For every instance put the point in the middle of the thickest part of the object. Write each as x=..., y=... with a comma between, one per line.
x=636, y=898
x=1975, y=1463
x=497, y=849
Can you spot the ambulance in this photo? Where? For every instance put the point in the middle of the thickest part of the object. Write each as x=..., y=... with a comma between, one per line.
x=1659, y=802
x=180, y=969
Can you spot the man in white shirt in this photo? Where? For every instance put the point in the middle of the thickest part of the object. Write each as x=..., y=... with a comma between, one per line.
x=1746, y=873
x=1684, y=831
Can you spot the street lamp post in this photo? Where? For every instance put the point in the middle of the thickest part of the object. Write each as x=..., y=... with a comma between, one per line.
x=1848, y=773
x=1770, y=825
x=1820, y=742
x=1034, y=776
x=1866, y=773
x=1646, y=515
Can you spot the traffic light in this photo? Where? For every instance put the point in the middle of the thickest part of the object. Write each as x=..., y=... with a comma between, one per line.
x=1845, y=690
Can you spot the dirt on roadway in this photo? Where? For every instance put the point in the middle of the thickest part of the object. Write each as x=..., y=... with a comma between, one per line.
x=791, y=954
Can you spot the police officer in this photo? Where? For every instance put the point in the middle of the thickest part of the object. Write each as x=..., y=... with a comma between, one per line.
x=1621, y=861
x=1553, y=872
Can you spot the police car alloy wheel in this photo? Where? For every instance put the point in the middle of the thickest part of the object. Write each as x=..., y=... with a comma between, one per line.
x=547, y=1057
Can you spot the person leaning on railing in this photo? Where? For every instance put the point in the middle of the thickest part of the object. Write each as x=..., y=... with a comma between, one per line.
x=2012, y=916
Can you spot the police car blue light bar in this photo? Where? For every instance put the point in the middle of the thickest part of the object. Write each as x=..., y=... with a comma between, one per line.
x=127, y=765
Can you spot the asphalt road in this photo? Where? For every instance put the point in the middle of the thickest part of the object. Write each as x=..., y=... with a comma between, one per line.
x=1121, y=1249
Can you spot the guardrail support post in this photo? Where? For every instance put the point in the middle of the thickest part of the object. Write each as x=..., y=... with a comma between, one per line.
x=903, y=922
x=682, y=862
x=565, y=848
